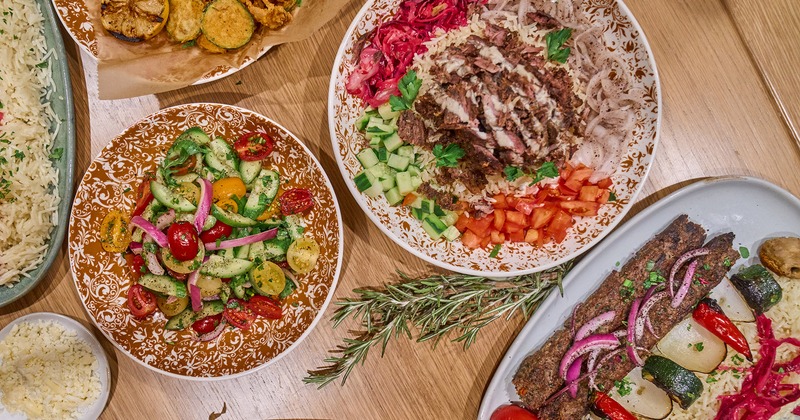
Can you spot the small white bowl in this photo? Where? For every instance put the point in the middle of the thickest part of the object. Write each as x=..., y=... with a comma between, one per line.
x=104, y=373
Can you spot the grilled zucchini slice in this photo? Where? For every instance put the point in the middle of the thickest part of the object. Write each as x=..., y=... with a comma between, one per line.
x=134, y=20
x=205, y=44
x=227, y=24
x=183, y=24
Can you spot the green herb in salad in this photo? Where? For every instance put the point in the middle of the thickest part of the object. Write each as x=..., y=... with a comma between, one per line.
x=409, y=88
x=448, y=156
x=513, y=173
x=555, y=40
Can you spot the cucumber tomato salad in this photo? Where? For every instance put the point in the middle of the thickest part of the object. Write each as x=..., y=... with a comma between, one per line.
x=215, y=238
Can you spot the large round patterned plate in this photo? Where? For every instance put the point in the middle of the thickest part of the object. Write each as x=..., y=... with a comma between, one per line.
x=74, y=15
x=623, y=36
x=102, y=278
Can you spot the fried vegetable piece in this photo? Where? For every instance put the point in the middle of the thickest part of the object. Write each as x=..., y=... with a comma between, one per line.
x=227, y=24
x=270, y=15
x=183, y=24
x=758, y=288
x=781, y=256
x=134, y=20
x=205, y=44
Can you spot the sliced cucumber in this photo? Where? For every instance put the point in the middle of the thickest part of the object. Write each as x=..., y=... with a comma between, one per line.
x=210, y=222
x=368, y=184
x=211, y=308
x=168, y=198
x=415, y=181
x=181, y=321
x=232, y=219
x=386, y=111
x=414, y=170
x=382, y=171
x=190, y=177
x=256, y=249
x=237, y=285
x=249, y=170
x=265, y=188
x=398, y=162
x=218, y=266
x=220, y=169
x=163, y=284
x=427, y=206
x=224, y=152
x=294, y=226
x=195, y=134
x=367, y=158
x=361, y=123
x=431, y=230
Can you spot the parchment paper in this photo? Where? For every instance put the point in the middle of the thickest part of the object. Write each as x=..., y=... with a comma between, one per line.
x=128, y=69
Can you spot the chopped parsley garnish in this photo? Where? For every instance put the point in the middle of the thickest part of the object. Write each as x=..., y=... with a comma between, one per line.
x=555, y=41
x=448, y=156
x=624, y=386
x=19, y=154
x=727, y=262
x=699, y=346
x=42, y=65
x=513, y=173
x=189, y=44
x=495, y=251
x=780, y=370
x=612, y=196
x=744, y=252
x=126, y=190
x=706, y=267
x=548, y=170
x=5, y=187
x=57, y=153
x=710, y=379
x=650, y=265
x=409, y=88
x=287, y=289
x=737, y=360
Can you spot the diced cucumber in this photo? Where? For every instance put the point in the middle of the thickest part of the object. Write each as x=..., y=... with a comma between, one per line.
x=181, y=321
x=190, y=177
x=436, y=223
x=367, y=158
x=218, y=266
x=406, y=150
x=417, y=213
x=398, y=162
x=449, y=218
x=414, y=170
x=364, y=180
x=438, y=211
x=403, y=180
x=163, y=284
x=210, y=222
x=387, y=112
x=166, y=197
x=451, y=233
x=427, y=206
x=393, y=196
x=195, y=134
x=224, y=152
x=211, y=308
x=417, y=204
x=374, y=141
x=387, y=183
x=249, y=170
x=378, y=125
x=382, y=154
x=392, y=142
x=431, y=230
x=415, y=181
x=375, y=190
x=361, y=122
x=381, y=171
x=230, y=218
x=265, y=188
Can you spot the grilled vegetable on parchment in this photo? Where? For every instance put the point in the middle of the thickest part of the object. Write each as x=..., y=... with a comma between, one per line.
x=134, y=20
x=183, y=24
x=227, y=24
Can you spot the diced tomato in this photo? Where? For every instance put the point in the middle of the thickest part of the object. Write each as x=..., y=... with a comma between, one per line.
x=566, y=192
x=525, y=205
x=462, y=222
x=580, y=208
x=511, y=201
x=546, y=193
x=577, y=178
x=603, y=196
x=500, y=202
x=518, y=236
x=589, y=193
x=499, y=219
x=511, y=227
x=470, y=240
x=480, y=226
x=604, y=183
x=516, y=218
x=485, y=241
x=542, y=239
x=567, y=171
x=531, y=236
x=497, y=237
x=541, y=216
x=409, y=198
x=557, y=229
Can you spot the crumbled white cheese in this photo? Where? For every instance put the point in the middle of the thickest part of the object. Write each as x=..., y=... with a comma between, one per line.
x=47, y=371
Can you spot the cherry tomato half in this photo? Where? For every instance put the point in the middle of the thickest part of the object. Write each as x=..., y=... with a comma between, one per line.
x=143, y=195
x=296, y=200
x=183, y=241
x=264, y=306
x=141, y=301
x=238, y=314
x=185, y=167
x=253, y=146
x=136, y=264
x=218, y=231
x=207, y=324
x=512, y=412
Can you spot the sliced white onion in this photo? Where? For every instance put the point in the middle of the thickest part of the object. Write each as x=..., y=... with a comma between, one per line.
x=732, y=302
x=692, y=346
x=645, y=398
x=204, y=205
x=194, y=291
x=165, y=219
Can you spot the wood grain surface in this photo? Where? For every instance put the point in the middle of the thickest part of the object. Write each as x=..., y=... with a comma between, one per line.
x=720, y=118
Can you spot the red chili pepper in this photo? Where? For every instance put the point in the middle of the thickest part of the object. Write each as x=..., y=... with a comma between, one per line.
x=709, y=314
x=607, y=407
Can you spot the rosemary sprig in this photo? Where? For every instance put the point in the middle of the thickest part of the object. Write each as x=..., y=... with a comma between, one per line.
x=434, y=306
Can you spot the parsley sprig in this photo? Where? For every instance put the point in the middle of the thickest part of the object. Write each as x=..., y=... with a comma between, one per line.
x=555, y=41
x=448, y=156
x=409, y=88
x=547, y=170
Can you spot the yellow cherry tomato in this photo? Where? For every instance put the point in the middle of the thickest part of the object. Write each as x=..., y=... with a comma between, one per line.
x=189, y=191
x=302, y=255
x=174, y=308
x=228, y=204
x=273, y=209
x=227, y=188
x=115, y=235
x=267, y=279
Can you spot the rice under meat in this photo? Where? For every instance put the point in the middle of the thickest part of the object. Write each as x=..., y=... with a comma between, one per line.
x=28, y=178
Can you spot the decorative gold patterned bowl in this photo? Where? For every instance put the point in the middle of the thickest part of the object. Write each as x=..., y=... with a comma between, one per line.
x=102, y=278
x=623, y=35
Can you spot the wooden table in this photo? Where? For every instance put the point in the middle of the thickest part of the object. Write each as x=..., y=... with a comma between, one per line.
x=727, y=110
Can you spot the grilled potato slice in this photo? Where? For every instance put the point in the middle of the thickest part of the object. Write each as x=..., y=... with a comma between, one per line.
x=227, y=24
x=134, y=20
x=183, y=24
x=205, y=44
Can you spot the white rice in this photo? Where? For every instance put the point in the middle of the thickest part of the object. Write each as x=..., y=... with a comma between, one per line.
x=28, y=178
